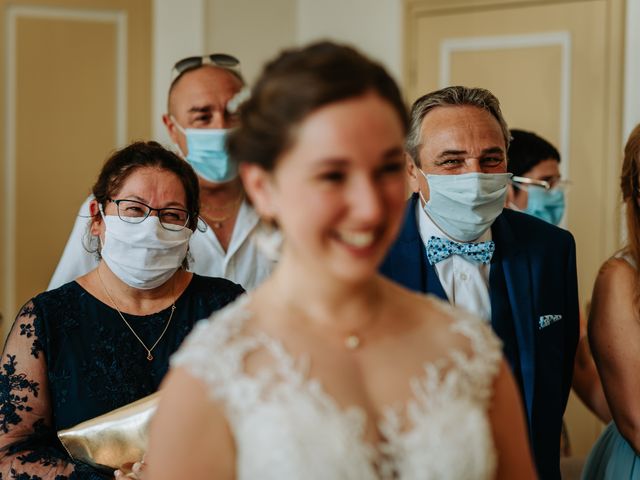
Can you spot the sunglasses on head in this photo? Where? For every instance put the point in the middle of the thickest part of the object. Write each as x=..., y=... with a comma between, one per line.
x=222, y=60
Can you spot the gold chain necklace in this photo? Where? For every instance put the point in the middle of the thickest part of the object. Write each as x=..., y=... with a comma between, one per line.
x=217, y=222
x=115, y=305
x=226, y=206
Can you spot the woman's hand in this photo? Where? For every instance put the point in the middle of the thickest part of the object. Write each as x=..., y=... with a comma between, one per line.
x=128, y=470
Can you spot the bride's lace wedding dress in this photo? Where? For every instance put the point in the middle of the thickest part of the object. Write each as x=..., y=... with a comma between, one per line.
x=286, y=426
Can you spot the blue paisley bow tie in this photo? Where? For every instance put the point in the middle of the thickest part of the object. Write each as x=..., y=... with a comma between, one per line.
x=439, y=249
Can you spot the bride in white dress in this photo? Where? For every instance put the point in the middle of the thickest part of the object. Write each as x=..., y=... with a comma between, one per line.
x=329, y=371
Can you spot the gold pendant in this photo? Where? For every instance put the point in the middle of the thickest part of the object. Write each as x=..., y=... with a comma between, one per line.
x=352, y=342
x=149, y=356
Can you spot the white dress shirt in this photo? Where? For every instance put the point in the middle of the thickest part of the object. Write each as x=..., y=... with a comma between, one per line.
x=244, y=262
x=465, y=282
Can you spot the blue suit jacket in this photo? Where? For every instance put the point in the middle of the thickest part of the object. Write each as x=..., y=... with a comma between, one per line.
x=539, y=267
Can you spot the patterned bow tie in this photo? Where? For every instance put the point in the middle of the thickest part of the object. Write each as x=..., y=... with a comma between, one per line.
x=439, y=249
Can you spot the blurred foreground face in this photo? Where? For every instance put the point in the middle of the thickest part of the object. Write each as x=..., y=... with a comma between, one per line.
x=338, y=192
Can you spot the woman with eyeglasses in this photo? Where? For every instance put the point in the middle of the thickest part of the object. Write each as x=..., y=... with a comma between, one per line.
x=614, y=336
x=103, y=340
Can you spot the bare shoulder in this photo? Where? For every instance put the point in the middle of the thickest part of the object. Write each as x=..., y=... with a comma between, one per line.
x=425, y=308
x=615, y=284
x=436, y=321
x=189, y=424
x=616, y=271
x=613, y=303
x=181, y=391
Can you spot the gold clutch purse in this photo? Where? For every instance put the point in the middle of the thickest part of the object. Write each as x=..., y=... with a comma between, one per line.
x=113, y=439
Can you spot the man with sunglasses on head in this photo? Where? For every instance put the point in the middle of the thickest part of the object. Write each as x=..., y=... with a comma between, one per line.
x=202, y=99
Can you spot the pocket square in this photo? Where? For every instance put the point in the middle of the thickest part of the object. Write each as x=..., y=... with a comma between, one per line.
x=546, y=320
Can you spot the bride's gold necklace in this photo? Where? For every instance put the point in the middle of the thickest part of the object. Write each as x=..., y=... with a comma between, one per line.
x=352, y=341
x=115, y=305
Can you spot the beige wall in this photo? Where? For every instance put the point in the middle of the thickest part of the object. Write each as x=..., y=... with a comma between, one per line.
x=631, y=103
x=76, y=85
x=373, y=27
x=178, y=32
x=252, y=30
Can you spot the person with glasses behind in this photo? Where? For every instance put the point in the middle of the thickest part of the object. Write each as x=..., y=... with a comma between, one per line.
x=104, y=340
x=536, y=188
x=203, y=96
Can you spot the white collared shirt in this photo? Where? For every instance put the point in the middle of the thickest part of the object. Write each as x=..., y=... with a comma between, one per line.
x=243, y=262
x=465, y=282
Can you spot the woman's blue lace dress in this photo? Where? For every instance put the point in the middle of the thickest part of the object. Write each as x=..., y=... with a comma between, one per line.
x=69, y=357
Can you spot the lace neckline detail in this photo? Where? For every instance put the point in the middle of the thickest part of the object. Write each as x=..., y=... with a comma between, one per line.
x=455, y=375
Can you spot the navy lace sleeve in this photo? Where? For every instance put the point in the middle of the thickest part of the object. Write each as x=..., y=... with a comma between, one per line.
x=29, y=449
x=70, y=357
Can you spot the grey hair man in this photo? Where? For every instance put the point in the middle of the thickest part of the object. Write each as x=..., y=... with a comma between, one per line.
x=514, y=271
x=227, y=243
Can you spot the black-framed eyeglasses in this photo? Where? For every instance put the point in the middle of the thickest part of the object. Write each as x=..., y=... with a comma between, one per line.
x=133, y=211
x=222, y=60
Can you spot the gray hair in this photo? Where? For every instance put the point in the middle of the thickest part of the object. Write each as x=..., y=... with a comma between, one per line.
x=451, y=96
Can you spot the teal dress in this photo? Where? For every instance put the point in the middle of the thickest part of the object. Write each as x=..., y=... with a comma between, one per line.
x=612, y=458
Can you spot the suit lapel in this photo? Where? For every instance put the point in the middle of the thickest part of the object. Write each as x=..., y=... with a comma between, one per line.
x=433, y=282
x=422, y=275
x=405, y=260
x=517, y=273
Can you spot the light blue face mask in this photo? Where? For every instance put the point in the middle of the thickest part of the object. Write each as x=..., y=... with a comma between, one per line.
x=464, y=206
x=207, y=155
x=547, y=205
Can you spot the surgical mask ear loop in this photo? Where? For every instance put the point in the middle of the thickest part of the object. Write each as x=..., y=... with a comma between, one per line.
x=426, y=180
x=180, y=128
x=422, y=196
x=100, y=240
x=425, y=202
x=183, y=132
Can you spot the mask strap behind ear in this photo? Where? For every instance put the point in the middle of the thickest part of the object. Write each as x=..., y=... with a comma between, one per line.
x=426, y=180
x=178, y=126
x=182, y=130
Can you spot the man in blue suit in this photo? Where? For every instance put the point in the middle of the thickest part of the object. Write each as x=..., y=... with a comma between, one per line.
x=509, y=268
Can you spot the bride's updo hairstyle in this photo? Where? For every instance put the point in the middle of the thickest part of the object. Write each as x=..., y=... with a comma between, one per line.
x=295, y=84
